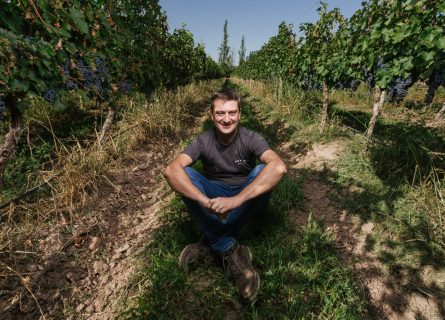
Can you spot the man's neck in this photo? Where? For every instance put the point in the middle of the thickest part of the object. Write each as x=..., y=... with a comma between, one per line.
x=226, y=139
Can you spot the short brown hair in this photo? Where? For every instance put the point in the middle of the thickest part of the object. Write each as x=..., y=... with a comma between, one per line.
x=226, y=95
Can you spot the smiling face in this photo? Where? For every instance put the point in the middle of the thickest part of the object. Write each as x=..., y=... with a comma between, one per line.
x=225, y=116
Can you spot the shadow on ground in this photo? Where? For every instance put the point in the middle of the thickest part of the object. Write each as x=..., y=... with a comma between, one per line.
x=401, y=152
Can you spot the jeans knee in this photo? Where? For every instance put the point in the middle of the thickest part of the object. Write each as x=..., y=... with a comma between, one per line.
x=197, y=179
x=192, y=173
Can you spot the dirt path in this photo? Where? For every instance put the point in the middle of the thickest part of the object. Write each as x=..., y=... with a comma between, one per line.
x=87, y=269
x=386, y=295
x=85, y=274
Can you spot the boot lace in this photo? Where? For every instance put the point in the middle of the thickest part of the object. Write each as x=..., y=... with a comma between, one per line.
x=231, y=266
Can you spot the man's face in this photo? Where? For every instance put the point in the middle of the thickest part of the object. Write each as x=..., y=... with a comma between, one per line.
x=226, y=116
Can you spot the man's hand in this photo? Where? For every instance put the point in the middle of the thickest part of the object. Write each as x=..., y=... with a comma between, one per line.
x=222, y=205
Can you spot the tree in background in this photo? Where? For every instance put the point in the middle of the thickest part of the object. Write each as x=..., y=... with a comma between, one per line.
x=242, y=51
x=225, y=59
x=320, y=51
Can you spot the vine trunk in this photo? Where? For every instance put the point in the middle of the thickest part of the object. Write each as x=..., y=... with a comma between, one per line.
x=379, y=98
x=324, y=112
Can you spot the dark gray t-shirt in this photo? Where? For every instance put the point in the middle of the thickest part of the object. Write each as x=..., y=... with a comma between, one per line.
x=227, y=163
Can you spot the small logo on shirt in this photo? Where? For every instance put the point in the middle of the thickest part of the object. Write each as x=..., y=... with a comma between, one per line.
x=241, y=162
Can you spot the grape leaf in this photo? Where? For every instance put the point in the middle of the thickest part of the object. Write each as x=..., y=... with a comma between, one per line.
x=77, y=17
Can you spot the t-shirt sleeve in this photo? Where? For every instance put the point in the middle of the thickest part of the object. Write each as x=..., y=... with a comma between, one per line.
x=259, y=144
x=194, y=149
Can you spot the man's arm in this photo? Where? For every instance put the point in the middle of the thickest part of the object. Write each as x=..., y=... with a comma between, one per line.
x=180, y=182
x=268, y=178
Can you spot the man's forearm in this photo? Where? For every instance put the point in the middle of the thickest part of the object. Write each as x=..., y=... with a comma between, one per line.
x=178, y=179
x=268, y=178
x=264, y=182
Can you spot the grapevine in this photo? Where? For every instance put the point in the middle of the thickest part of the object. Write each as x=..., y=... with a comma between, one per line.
x=50, y=48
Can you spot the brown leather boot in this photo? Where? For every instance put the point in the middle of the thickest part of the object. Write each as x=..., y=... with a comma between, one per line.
x=237, y=264
x=195, y=253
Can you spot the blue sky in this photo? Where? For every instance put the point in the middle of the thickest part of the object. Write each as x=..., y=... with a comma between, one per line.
x=256, y=20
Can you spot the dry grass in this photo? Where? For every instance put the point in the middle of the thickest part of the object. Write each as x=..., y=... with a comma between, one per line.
x=142, y=123
x=80, y=171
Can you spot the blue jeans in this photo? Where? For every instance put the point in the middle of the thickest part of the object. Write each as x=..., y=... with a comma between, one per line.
x=221, y=233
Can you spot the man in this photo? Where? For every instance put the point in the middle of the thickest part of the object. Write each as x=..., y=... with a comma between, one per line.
x=231, y=191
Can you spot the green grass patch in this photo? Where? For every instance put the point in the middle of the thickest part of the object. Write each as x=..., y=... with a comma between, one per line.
x=409, y=232
x=301, y=275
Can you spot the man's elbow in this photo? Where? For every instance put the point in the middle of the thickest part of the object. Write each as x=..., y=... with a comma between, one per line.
x=282, y=170
x=167, y=173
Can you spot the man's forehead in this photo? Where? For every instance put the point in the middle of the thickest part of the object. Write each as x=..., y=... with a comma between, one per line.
x=221, y=103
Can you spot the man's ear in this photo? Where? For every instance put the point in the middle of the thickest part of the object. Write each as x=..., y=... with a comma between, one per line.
x=211, y=115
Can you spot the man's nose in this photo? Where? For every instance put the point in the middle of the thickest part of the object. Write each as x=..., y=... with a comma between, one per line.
x=226, y=117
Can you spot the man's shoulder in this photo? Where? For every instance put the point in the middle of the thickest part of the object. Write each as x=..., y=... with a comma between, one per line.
x=248, y=132
x=206, y=135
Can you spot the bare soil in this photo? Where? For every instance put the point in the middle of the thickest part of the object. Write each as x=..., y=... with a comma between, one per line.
x=85, y=274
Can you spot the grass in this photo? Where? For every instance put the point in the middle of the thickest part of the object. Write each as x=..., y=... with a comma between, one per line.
x=301, y=275
x=45, y=134
x=400, y=174
x=397, y=182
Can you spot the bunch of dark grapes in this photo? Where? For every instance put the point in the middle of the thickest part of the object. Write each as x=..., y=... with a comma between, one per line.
x=2, y=108
x=369, y=78
x=50, y=95
x=309, y=82
x=379, y=65
x=101, y=68
x=398, y=89
x=433, y=83
x=101, y=77
x=339, y=86
x=87, y=73
x=125, y=86
x=70, y=85
x=369, y=75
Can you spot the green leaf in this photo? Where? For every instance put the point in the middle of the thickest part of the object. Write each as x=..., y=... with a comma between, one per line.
x=77, y=17
x=427, y=56
x=59, y=107
x=18, y=85
x=441, y=43
x=71, y=47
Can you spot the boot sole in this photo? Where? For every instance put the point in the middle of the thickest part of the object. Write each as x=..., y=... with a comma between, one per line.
x=254, y=296
x=206, y=258
x=181, y=261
